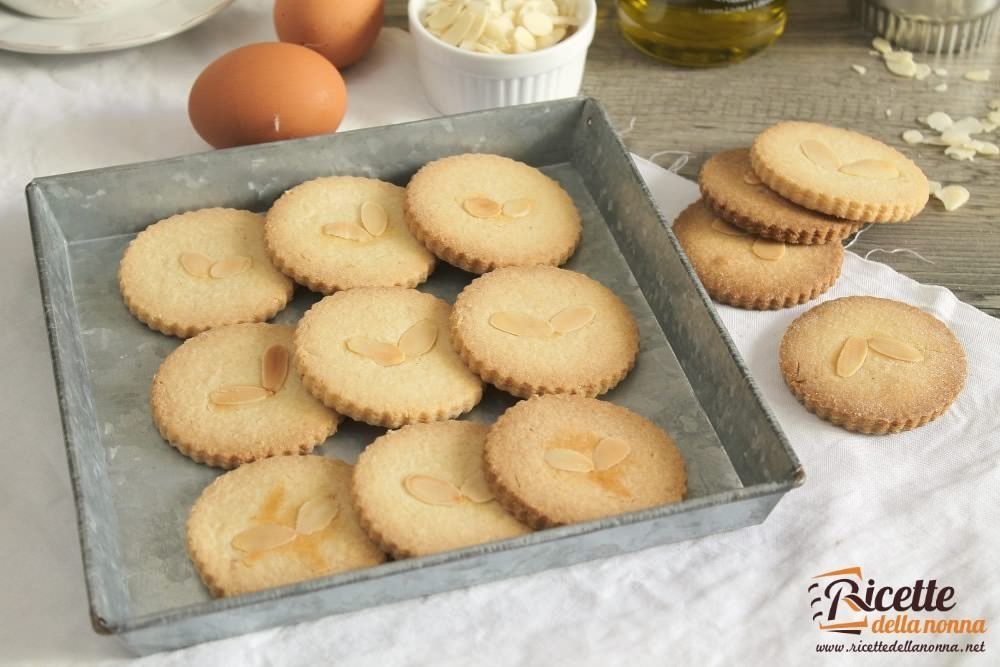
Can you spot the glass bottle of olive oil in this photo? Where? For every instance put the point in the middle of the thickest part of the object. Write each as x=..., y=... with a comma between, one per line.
x=701, y=33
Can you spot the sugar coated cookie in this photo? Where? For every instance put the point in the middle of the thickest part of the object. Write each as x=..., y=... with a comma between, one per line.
x=872, y=365
x=750, y=272
x=421, y=490
x=340, y=232
x=839, y=172
x=383, y=355
x=479, y=212
x=200, y=270
x=553, y=460
x=542, y=330
x=229, y=396
x=276, y=522
x=731, y=189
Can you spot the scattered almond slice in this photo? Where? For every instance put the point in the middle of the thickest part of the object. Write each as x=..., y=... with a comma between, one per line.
x=772, y=251
x=240, y=394
x=347, y=230
x=874, y=169
x=979, y=75
x=374, y=218
x=609, y=452
x=419, y=339
x=274, y=368
x=384, y=354
x=852, y=356
x=517, y=208
x=959, y=153
x=196, y=264
x=482, y=207
x=895, y=349
x=263, y=538
x=432, y=491
x=819, y=154
x=987, y=148
x=940, y=71
x=316, y=514
x=934, y=187
x=860, y=69
x=922, y=71
x=572, y=318
x=969, y=125
x=230, y=266
x=726, y=228
x=941, y=87
x=882, y=45
x=520, y=324
x=903, y=68
x=953, y=196
x=913, y=137
x=939, y=120
x=476, y=489
x=568, y=460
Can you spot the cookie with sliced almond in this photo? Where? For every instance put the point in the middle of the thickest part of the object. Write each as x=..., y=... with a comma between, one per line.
x=480, y=212
x=230, y=396
x=872, y=365
x=839, y=172
x=746, y=271
x=202, y=269
x=340, y=232
x=544, y=330
x=384, y=356
x=554, y=460
x=421, y=490
x=276, y=522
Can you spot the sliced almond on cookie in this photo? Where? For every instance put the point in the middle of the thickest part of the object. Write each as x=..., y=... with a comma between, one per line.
x=374, y=218
x=820, y=154
x=432, y=491
x=568, y=460
x=263, y=538
x=476, y=489
x=572, y=318
x=316, y=514
x=230, y=266
x=347, y=230
x=609, y=452
x=852, y=356
x=772, y=251
x=895, y=349
x=517, y=208
x=418, y=339
x=521, y=324
x=274, y=368
x=384, y=354
x=241, y=394
x=196, y=264
x=482, y=207
x=725, y=228
x=878, y=170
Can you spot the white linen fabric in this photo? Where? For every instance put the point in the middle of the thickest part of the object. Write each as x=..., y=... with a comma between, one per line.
x=922, y=504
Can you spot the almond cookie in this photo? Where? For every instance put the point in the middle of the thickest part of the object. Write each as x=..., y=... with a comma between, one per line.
x=421, y=490
x=340, y=232
x=839, y=172
x=383, y=355
x=480, y=212
x=276, y=522
x=732, y=191
x=229, y=396
x=750, y=272
x=872, y=365
x=202, y=269
x=553, y=460
x=542, y=330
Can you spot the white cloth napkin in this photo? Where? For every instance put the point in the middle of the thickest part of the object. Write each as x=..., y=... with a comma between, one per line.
x=916, y=505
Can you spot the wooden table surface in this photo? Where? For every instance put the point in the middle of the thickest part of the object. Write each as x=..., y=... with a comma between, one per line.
x=806, y=75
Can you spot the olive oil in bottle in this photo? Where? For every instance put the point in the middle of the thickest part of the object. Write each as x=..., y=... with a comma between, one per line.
x=701, y=33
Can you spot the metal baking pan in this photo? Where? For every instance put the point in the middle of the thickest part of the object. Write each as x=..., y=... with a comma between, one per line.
x=133, y=491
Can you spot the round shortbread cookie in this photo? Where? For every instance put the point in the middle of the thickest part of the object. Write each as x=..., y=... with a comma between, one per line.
x=202, y=269
x=754, y=273
x=872, y=365
x=480, y=212
x=340, y=232
x=732, y=191
x=383, y=355
x=553, y=460
x=229, y=396
x=421, y=490
x=839, y=172
x=543, y=330
x=276, y=522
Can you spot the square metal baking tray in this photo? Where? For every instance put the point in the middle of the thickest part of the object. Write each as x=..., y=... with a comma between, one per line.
x=133, y=491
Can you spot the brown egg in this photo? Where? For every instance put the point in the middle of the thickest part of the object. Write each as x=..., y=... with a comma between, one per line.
x=341, y=30
x=266, y=92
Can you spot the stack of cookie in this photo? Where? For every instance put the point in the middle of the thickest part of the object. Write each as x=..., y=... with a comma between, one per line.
x=241, y=392
x=767, y=232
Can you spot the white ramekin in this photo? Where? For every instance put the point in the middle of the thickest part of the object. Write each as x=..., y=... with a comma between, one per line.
x=456, y=80
x=61, y=9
